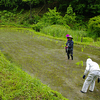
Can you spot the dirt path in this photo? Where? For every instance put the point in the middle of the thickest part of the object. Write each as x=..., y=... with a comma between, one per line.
x=46, y=59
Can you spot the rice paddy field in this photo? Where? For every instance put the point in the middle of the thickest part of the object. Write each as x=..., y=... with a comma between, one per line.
x=45, y=58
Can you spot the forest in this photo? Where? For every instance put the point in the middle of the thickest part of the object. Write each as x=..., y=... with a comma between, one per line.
x=87, y=8
x=76, y=14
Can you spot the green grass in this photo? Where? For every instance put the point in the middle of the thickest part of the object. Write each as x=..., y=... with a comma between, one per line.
x=79, y=37
x=62, y=31
x=17, y=84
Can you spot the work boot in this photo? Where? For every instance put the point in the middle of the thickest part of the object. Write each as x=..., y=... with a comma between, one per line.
x=72, y=57
x=82, y=92
x=68, y=57
x=90, y=91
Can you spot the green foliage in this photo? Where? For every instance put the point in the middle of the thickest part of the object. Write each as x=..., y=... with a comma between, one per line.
x=33, y=1
x=80, y=23
x=36, y=19
x=60, y=31
x=50, y=18
x=22, y=10
x=69, y=17
x=16, y=84
x=10, y=3
x=80, y=63
x=94, y=27
x=40, y=25
x=86, y=8
x=55, y=30
x=20, y=17
x=24, y=18
x=7, y=16
x=87, y=39
x=4, y=11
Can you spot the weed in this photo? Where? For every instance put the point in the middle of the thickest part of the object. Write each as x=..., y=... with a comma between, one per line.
x=79, y=63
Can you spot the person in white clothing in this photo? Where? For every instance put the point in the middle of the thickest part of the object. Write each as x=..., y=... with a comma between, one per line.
x=94, y=73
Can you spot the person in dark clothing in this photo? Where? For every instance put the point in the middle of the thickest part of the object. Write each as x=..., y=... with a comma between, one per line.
x=69, y=45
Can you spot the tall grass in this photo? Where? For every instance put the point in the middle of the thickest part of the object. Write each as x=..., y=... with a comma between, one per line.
x=16, y=84
x=61, y=31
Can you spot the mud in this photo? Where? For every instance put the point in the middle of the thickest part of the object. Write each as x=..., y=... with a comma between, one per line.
x=46, y=59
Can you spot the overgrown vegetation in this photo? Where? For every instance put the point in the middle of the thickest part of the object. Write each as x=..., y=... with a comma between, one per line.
x=70, y=16
x=85, y=8
x=16, y=84
x=53, y=23
x=74, y=26
x=71, y=19
x=50, y=18
x=94, y=27
x=61, y=31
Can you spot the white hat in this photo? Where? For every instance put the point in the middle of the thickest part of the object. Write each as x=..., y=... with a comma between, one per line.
x=70, y=37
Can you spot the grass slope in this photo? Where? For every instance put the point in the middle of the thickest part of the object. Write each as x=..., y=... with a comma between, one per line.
x=17, y=84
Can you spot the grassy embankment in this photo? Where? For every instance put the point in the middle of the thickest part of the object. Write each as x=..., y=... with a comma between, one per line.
x=17, y=84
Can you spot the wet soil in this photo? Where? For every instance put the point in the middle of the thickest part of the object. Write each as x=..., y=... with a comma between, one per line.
x=46, y=59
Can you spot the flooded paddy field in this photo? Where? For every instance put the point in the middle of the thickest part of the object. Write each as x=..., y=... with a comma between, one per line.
x=46, y=59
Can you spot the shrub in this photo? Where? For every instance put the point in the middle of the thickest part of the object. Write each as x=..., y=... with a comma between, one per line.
x=24, y=19
x=39, y=25
x=36, y=19
x=61, y=31
x=69, y=17
x=22, y=10
x=50, y=18
x=98, y=39
x=87, y=39
x=7, y=16
x=94, y=27
x=3, y=19
x=55, y=30
x=4, y=11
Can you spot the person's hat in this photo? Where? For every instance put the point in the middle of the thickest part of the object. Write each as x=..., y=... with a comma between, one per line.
x=70, y=37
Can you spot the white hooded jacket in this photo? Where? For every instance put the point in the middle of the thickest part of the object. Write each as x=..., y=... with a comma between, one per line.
x=91, y=66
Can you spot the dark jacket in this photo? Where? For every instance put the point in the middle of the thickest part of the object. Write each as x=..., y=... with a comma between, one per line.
x=70, y=44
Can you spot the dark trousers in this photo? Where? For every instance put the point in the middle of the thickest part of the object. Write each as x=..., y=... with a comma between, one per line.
x=68, y=54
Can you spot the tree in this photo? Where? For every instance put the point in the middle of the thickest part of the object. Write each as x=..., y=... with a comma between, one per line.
x=94, y=27
x=30, y=2
x=10, y=3
x=89, y=8
x=69, y=17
